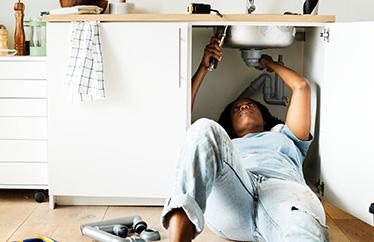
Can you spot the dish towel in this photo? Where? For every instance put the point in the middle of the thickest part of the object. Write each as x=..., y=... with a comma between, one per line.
x=85, y=75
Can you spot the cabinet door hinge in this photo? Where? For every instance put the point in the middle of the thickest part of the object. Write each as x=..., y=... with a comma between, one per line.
x=320, y=186
x=325, y=35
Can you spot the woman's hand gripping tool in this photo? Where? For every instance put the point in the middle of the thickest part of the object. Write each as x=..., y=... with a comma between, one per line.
x=214, y=61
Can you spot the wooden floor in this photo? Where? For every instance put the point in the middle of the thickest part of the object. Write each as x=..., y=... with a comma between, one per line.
x=21, y=217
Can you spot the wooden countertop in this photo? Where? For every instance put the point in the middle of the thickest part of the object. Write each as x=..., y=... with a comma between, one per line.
x=209, y=18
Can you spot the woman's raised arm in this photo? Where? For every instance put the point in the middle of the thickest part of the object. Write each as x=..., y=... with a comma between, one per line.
x=298, y=115
x=212, y=50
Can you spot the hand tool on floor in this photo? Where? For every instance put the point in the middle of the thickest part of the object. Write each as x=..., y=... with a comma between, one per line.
x=118, y=230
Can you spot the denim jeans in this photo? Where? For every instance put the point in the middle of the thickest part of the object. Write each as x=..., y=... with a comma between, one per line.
x=212, y=186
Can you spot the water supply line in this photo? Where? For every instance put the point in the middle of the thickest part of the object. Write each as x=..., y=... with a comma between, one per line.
x=277, y=97
x=279, y=84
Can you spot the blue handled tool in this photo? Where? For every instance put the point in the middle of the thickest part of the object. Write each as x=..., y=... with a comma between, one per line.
x=38, y=238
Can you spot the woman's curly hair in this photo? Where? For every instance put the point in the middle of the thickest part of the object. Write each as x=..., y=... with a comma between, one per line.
x=225, y=119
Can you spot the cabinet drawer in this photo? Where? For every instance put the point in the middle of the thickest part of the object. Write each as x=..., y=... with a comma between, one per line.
x=23, y=70
x=23, y=128
x=23, y=107
x=23, y=88
x=23, y=174
x=23, y=151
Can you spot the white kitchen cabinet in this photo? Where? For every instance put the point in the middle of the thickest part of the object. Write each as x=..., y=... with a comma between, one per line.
x=23, y=123
x=108, y=148
x=123, y=146
x=347, y=160
x=341, y=67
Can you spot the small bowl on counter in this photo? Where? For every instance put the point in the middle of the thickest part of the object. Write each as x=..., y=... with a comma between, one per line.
x=8, y=52
x=71, y=3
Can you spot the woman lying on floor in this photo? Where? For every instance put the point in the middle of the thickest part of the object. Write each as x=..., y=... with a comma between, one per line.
x=243, y=176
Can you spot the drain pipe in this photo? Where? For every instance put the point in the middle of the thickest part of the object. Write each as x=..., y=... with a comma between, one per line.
x=279, y=84
x=255, y=85
x=265, y=80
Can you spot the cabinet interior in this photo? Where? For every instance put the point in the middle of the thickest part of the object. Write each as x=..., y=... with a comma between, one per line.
x=232, y=76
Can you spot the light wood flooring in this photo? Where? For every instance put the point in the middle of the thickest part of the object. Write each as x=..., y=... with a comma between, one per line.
x=21, y=217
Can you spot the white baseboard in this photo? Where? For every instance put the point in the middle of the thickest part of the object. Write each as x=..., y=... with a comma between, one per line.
x=105, y=201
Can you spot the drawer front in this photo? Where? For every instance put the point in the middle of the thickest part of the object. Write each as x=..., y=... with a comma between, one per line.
x=23, y=70
x=23, y=174
x=23, y=107
x=23, y=88
x=23, y=151
x=23, y=128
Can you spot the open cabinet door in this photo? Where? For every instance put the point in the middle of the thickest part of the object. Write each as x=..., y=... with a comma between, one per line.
x=347, y=118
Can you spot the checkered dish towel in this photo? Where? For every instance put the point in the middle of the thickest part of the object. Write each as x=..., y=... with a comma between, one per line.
x=85, y=76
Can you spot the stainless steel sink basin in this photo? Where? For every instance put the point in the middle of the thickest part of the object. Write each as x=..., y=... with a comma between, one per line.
x=259, y=37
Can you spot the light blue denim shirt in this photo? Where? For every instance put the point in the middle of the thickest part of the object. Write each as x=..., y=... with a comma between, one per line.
x=276, y=154
x=214, y=185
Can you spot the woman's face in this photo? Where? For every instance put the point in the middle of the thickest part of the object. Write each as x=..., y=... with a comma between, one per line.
x=246, y=117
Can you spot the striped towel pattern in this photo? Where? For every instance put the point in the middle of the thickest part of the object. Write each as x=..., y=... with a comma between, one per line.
x=85, y=75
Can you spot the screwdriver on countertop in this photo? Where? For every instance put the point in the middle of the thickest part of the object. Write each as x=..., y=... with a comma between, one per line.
x=214, y=61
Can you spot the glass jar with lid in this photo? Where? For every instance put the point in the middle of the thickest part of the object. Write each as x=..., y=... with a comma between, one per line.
x=37, y=37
